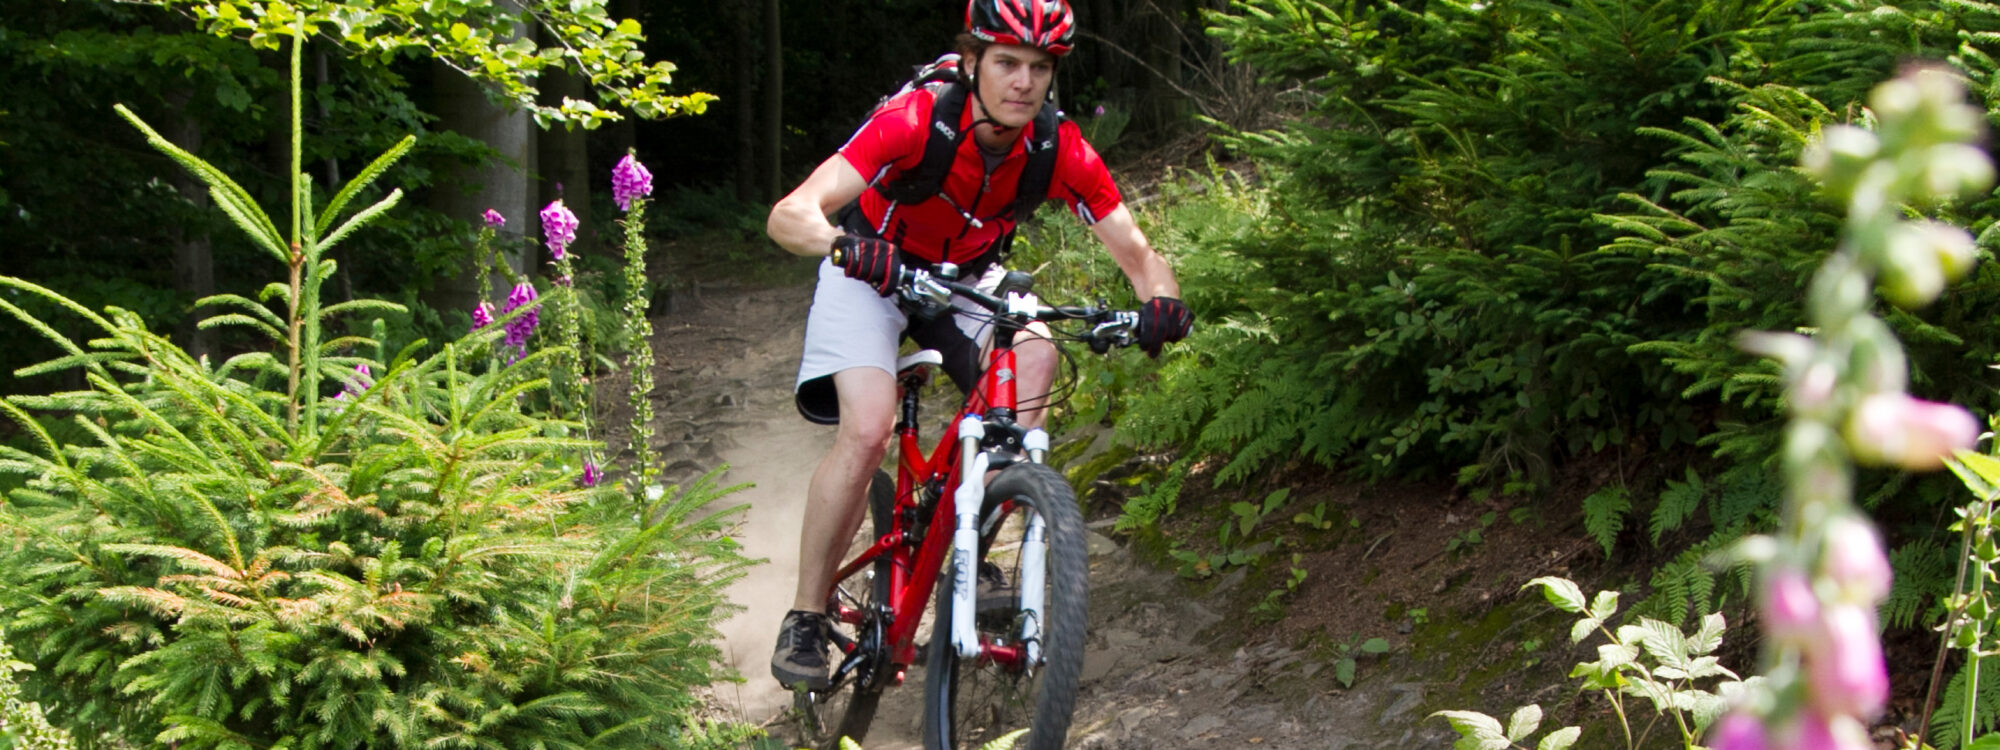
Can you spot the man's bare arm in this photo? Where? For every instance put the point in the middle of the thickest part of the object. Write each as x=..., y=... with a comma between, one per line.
x=798, y=221
x=1150, y=275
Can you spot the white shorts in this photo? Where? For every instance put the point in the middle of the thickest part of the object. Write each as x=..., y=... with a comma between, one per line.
x=851, y=326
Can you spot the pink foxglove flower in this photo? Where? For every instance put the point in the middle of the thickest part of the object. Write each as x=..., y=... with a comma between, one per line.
x=1844, y=667
x=1815, y=732
x=1894, y=429
x=1791, y=611
x=522, y=326
x=1739, y=731
x=630, y=180
x=1853, y=558
x=559, y=225
x=493, y=219
x=482, y=316
x=591, y=474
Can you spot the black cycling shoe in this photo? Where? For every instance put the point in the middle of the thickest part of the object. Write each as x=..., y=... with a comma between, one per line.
x=800, y=659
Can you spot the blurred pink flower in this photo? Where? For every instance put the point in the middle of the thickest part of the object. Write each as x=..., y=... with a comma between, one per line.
x=1791, y=612
x=591, y=474
x=630, y=180
x=1893, y=429
x=1853, y=558
x=1816, y=732
x=1738, y=731
x=559, y=226
x=1845, y=673
x=493, y=219
x=482, y=316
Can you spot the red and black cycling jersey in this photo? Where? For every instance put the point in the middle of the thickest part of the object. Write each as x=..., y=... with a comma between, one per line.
x=943, y=228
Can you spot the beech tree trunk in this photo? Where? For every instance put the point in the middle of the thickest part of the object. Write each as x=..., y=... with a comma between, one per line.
x=744, y=67
x=774, y=102
x=194, y=253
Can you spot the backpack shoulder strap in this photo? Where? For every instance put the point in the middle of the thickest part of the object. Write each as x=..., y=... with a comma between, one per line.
x=1043, y=139
x=941, y=142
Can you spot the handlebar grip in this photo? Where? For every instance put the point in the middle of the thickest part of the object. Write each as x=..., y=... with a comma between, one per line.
x=838, y=256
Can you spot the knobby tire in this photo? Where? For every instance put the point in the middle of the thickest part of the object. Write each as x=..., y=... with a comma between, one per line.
x=850, y=709
x=967, y=704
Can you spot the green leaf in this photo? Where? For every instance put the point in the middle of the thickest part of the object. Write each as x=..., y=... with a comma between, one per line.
x=1583, y=628
x=1343, y=670
x=1561, y=592
x=1604, y=606
x=1560, y=739
x=1475, y=726
x=1524, y=722
x=1375, y=646
x=1276, y=499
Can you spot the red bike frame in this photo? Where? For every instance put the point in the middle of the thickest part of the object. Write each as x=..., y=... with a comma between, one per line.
x=913, y=571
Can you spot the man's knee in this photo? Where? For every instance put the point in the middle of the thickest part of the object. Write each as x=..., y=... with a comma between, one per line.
x=867, y=410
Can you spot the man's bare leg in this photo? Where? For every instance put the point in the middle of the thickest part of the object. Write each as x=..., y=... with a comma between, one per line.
x=835, y=500
x=1035, y=360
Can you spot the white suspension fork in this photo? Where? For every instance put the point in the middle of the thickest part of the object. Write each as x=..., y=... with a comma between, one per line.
x=967, y=501
x=1034, y=574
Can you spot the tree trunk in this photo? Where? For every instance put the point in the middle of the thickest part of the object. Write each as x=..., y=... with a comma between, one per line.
x=774, y=102
x=1161, y=49
x=564, y=154
x=501, y=184
x=194, y=256
x=333, y=177
x=745, y=69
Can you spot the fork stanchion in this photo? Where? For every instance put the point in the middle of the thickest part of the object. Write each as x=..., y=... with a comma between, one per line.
x=967, y=501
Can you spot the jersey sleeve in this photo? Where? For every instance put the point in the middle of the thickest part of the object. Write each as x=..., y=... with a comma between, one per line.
x=1081, y=180
x=892, y=139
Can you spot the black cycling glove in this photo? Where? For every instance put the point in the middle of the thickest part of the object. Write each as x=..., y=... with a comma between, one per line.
x=869, y=261
x=1161, y=320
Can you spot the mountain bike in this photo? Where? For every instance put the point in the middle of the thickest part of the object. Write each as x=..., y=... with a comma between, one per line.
x=980, y=506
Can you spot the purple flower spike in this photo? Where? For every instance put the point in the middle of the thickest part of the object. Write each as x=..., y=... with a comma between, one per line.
x=493, y=219
x=482, y=316
x=520, y=328
x=364, y=379
x=591, y=474
x=630, y=180
x=559, y=225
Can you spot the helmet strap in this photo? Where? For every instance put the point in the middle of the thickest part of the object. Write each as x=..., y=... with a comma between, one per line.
x=985, y=114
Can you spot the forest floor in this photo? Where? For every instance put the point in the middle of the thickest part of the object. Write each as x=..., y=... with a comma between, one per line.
x=1178, y=662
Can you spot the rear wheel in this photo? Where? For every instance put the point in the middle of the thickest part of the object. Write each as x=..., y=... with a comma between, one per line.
x=971, y=702
x=848, y=709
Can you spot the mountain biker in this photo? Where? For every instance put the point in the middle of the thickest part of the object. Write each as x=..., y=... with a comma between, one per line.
x=1008, y=54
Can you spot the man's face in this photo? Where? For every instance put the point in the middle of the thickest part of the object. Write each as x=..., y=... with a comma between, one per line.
x=1013, y=81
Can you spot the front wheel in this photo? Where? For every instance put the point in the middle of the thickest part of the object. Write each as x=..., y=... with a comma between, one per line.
x=971, y=702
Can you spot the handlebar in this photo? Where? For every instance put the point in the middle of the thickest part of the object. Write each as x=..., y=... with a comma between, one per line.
x=1109, y=327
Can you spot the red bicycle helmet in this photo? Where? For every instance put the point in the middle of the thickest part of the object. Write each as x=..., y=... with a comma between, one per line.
x=1046, y=24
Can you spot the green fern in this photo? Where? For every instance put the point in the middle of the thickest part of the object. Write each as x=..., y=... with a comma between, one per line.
x=1924, y=570
x=1678, y=503
x=1604, y=515
x=1145, y=510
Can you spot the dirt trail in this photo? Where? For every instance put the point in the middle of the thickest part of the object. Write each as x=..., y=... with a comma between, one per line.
x=1153, y=676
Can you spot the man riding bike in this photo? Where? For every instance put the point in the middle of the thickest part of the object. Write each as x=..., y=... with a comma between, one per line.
x=1008, y=56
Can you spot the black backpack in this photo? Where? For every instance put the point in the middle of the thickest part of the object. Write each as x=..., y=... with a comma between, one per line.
x=941, y=142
